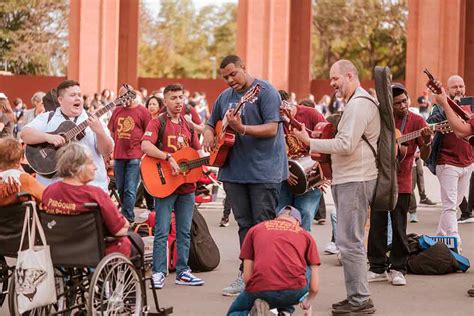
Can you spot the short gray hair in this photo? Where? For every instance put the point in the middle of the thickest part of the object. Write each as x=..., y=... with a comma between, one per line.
x=38, y=96
x=72, y=159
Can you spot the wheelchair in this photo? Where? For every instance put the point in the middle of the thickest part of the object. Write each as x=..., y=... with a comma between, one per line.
x=88, y=282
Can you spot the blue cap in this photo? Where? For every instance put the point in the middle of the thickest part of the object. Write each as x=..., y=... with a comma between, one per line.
x=291, y=211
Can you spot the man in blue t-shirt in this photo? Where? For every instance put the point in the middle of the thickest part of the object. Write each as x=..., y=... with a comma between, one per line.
x=257, y=162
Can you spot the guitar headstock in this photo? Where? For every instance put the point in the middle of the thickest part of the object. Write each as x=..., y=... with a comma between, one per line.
x=129, y=95
x=432, y=83
x=443, y=127
x=285, y=111
x=251, y=95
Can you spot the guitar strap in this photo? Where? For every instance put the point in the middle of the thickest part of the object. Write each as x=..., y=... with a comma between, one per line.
x=402, y=128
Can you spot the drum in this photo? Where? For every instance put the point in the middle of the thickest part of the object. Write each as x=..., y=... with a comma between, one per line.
x=308, y=173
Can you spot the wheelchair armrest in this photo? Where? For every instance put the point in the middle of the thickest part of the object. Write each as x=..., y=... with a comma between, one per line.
x=24, y=196
x=91, y=205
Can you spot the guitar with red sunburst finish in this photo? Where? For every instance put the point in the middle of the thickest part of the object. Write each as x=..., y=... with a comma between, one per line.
x=225, y=135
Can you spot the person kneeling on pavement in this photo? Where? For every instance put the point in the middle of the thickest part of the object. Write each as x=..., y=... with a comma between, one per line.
x=280, y=267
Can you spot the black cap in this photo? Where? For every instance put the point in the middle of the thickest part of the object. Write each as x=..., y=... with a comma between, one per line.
x=397, y=89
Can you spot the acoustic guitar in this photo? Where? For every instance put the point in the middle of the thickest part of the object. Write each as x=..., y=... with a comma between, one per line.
x=401, y=149
x=322, y=130
x=42, y=157
x=436, y=89
x=158, y=179
x=225, y=136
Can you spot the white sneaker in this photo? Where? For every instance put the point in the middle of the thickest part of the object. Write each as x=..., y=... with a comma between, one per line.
x=397, y=278
x=413, y=218
x=235, y=288
x=376, y=277
x=331, y=249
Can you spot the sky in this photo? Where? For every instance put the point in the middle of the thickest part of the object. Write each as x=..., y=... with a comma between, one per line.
x=154, y=5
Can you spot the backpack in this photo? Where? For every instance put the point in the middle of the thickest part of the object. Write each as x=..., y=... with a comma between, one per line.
x=386, y=190
x=203, y=252
x=161, y=131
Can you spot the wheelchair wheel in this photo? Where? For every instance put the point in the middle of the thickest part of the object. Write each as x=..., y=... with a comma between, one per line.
x=44, y=310
x=116, y=288
x=3, y=279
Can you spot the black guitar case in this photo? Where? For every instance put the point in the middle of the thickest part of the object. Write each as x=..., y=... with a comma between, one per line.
x=386, y=192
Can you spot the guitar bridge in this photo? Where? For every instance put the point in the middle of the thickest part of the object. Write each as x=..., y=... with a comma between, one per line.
x=160, y=173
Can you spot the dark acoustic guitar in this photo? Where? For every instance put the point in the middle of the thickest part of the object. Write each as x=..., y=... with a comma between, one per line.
x=42, y=157
x=225, y=136
x=158, y=178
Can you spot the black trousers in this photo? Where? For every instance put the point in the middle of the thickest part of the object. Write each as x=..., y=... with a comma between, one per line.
x=377, y=247
x=321, y=213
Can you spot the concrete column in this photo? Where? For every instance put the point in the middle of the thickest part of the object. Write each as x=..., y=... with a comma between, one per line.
x=300, y=47
x=128, y=44
x=274, y=39
x=469, y=48
x=436, y=36
x=93, y=44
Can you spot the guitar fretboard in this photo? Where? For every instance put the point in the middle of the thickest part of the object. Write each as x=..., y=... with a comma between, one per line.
x=442, y=126
x=82, y=126
x=197, y=163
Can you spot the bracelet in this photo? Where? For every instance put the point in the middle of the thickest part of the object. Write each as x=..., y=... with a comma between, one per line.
x=245, y=130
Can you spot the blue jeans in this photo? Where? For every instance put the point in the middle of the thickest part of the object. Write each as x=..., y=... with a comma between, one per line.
x=127, y=178
x=284, y=299
x=307, y=203
x=183, y=206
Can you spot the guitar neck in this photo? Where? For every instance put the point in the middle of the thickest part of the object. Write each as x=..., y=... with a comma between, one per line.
x=197, y=163
x=82, y=126
x=458, y=110
x=225, y=124
x=412, y=135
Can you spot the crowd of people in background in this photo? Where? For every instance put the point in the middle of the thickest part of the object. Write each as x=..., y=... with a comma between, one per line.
x=118, y=139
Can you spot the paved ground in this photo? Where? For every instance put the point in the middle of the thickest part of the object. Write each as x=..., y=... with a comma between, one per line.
x=423, y=295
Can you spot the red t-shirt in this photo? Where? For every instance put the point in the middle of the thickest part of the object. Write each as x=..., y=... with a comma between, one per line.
x=455, y=151
x=63, y=198
x=281, y=251
x=172, y=133
x=127, y=126
x=310, y=117
x=414, y=122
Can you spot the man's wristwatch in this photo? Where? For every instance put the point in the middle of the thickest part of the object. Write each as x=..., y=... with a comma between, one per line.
x=168, y=156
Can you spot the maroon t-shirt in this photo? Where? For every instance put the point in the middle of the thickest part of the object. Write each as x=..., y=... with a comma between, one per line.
x=310, y=117
x=414, y=122
x=172, y=134
x=281, y=251
x=63, y=198
x=455, y=151
x=127, y=126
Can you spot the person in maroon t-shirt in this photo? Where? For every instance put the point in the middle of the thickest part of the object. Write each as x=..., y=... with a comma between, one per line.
x=280, y=266
x=406, y=122
x=68, y=196
x=191, y=116
x=454, y=160
x=176, y=135
x=307, y=203
x=127, y=126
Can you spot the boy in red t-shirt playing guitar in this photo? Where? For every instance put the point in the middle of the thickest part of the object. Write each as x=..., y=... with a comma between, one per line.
x=175, y=136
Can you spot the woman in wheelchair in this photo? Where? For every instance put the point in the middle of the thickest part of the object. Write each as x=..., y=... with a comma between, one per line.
x=76, y=168
x=12, y=178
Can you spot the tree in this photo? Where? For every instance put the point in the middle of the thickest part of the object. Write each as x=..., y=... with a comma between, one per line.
x=180, y=41
x=33, y=36
x=367, y=32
